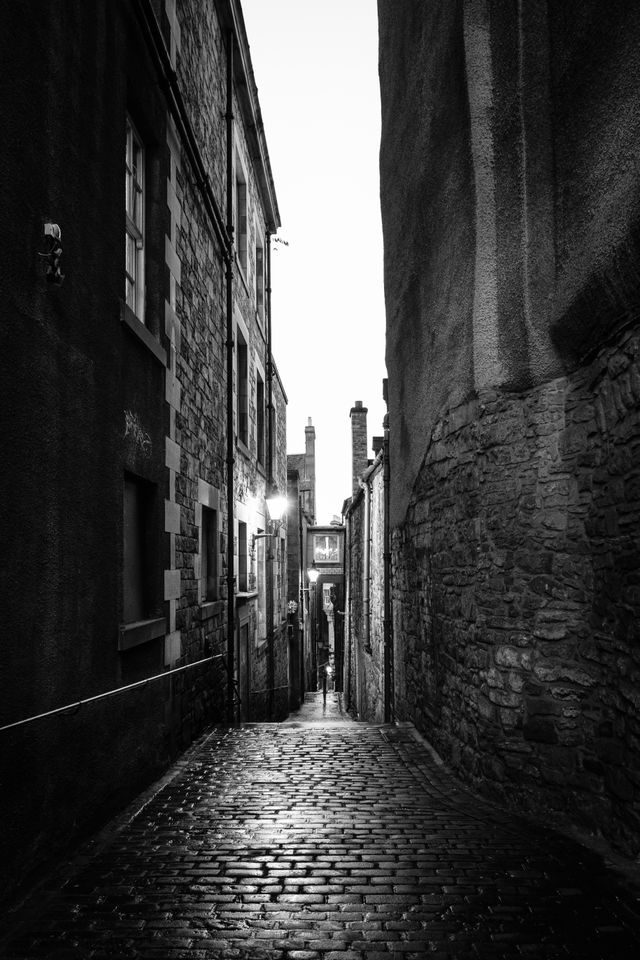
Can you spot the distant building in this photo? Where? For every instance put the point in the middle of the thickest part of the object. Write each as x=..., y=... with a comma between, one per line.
x=305, y=466
x=325, y=557
x=144, y=422
x=367, y=662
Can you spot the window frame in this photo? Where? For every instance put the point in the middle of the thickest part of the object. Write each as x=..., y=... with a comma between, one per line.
x=209, y=559
x=260, y=278
x=242, y=388
x=260, y=420
x=135, y=157
x=243, y=557
x=241, y=215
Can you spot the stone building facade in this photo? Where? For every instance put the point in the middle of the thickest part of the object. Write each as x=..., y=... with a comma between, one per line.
x=511, y=217
x=304, y=464
x=367, y=666
x=143, y=418
x=302, y=515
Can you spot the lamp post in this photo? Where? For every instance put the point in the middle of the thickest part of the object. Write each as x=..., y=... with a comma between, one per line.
x=313, y=573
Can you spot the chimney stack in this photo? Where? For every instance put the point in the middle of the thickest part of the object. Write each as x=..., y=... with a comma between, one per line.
x=310, y=467
x=359, y=458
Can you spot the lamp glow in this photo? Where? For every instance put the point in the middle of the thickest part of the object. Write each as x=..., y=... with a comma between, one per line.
x=277, y=507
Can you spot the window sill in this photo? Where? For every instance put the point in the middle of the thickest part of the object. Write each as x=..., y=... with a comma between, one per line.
x=243, y=448
x=209, y=609
x=142, y=631
x=138, y=329
x=241, y=273
x=243, y=596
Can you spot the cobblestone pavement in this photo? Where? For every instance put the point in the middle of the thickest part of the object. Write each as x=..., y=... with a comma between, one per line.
x=324, y=838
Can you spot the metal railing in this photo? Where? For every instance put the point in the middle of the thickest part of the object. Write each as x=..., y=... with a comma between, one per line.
x=72, y=708
x=255, y=693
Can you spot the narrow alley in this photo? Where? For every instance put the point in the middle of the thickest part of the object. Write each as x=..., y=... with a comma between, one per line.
x=323, y=837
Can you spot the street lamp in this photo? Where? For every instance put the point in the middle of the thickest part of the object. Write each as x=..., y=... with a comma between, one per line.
x=313, y=573
x=276, y=507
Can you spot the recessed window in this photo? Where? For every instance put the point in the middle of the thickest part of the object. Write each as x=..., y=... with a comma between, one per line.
x=242, y=381
x=137, y=508
x=209, y=555
x=260, y=417
x=134, y=235
x=242, y=557
x=240, y=216
x=259, y=278
x=262, y=588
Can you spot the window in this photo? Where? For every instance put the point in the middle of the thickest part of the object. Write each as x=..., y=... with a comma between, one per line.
x=209, y=555
x=259, y=278
x=134, y=236
x=240, y=216
x=262, y=589
x=137, y=505
x=242, y=557
x=242, y=379
x=260, y=417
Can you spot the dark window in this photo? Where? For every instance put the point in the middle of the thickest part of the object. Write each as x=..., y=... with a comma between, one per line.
x=209, y=556
x=137, y=506
x=242, y=556
x=260, y=280
x=260, y=417
x=243, y=389
x=262, y=588
x=241, y=217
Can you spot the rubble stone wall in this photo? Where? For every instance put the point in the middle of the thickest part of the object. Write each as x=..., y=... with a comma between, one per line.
x=517, y=595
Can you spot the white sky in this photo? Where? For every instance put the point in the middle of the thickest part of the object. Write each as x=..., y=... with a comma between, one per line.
x=316, y=68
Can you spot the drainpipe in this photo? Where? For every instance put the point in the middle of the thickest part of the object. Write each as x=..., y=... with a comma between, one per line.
x=270, y=486
x=231, y=598
x=388, y=626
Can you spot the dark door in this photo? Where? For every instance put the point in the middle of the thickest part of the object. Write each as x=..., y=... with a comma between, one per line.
x=242, y=660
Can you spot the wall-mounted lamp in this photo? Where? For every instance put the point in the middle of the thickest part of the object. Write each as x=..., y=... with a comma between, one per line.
x=313, y=573
x=53, y=239
x=276, y=507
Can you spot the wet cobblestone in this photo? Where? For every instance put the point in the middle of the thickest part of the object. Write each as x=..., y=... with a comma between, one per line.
x=323, y=838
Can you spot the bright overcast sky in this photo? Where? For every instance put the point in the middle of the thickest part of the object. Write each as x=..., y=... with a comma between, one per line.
x=316, y=68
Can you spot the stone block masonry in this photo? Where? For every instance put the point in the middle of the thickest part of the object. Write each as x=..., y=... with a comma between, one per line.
x=517, y=595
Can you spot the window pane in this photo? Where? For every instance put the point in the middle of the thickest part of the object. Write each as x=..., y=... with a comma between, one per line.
x=209, y=558
x=134, y=205
x=137, y=207
x=242, y=556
